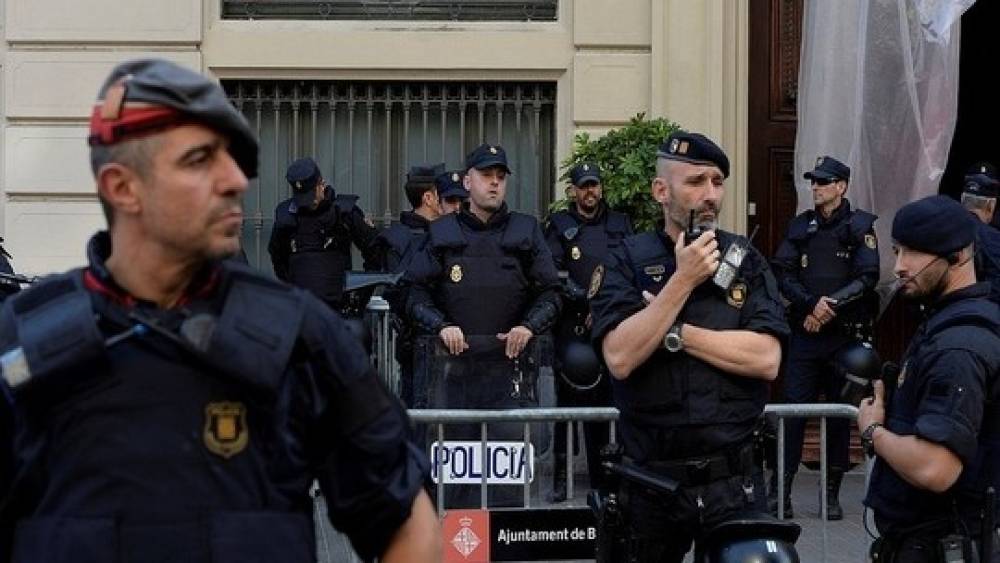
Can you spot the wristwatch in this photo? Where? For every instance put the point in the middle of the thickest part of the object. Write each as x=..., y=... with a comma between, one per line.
x=673, y=341
x=867, y=439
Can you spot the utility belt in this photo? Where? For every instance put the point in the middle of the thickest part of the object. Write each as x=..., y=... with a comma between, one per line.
x=702, y=470
x=941, y=540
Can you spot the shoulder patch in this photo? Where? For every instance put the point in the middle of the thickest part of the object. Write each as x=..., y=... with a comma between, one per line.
x=870, y=241
x=596, y=279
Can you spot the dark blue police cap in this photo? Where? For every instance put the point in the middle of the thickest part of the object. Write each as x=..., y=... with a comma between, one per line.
x=981, y=180
x=424, y=173
x=585, y=172
x=450, y=184
x=694, y=148
x=829, y=169
x=935, y=225
x=303, y=175
x=486, y=156
x=145, y=95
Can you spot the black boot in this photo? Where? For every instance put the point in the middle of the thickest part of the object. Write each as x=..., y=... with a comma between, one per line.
x=559, y=479
x=833, y=481
x=772, y=496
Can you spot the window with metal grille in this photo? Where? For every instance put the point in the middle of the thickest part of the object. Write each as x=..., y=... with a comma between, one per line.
x=366, y=135
x=412, y=10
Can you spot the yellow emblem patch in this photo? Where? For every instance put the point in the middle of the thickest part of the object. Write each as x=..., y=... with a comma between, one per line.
x=870, y=241
x=737, y=295
x=575, y=253
x=596, y=279
x=226, y=433
x=805, y=261
x=456, y=273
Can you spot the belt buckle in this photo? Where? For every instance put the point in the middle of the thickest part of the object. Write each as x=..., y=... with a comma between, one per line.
x=699, y=471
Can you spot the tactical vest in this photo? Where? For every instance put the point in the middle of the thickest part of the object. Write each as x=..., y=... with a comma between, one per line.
x=586, y=245
x=147, y=447
x=484, y=287
x=321, y=248
x=895, y=500
x=403, y=242
x=677, y=389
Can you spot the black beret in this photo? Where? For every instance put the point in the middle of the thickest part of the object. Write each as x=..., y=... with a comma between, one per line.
x=829, y=169
x=935, y=225
x=585, y=172
x=450, y=184
x=131, y=94
x=486, y=156
x=424, y=173
x=694, y=148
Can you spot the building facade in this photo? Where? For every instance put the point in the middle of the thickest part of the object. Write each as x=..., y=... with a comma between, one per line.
x=365, y=96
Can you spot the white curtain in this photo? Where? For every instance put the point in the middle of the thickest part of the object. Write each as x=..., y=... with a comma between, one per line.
x=878, y=90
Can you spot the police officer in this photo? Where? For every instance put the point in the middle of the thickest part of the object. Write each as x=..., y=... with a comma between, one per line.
x=8, y=286
x=189, y=403
x=827, y=268
x=451, y=190
x=979, y=195
x=485, y=284
x=396, y=246
x=690, y=324
x=310, y=244
x=580, y=238
x=935, y=433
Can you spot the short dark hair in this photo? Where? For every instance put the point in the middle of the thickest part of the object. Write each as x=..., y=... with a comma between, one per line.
x=136, y=154
x=415, y=190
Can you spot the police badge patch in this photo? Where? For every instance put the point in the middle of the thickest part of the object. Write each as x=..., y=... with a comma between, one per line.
x=226, y=433
x=737, y=294
x=596, y=279
x=456, y=273
x=805, y=261
x=870, y=241
x=575, y=253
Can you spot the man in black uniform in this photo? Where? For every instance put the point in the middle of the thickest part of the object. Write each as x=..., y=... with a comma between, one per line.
x=936, y=435
x=486, y=285
x=310, y=244
x=690, y=326
x=451, y=190
x=8, y=286
x=396, y=246
x=827, y=268
x=979, y=195
x=164, y=404
x=580, y=238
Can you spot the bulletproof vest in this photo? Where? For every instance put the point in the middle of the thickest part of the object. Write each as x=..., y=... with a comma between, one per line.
x=484, y=287
x=585, y=245
x=152, y=448
x=675, y=388
x=403, y=242
x=959, y=326
x=321, y=248
x=825, y=251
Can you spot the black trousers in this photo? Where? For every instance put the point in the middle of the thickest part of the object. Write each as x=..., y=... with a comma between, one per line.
x=663, y=527
x=595, y=434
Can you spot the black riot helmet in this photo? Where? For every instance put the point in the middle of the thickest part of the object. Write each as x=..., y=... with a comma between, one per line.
x=859, y=365
x=752, y=540
x=581, y=369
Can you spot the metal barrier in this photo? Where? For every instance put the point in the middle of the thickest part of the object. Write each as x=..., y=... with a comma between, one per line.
x=822, y=411
x=384, y=343
x=441, y=417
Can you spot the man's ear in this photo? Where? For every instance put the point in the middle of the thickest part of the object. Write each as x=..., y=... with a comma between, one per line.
x=118, y=186
x=661, y=191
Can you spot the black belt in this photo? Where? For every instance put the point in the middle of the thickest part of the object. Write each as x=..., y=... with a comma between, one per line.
x=701, y=470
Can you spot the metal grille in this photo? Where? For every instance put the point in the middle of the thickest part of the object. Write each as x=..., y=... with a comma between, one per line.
x=409, y=10
x=365, y=135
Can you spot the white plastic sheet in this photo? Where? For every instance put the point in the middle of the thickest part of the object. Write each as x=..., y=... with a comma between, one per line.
x=878, y=90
